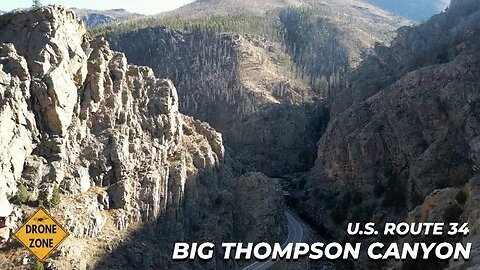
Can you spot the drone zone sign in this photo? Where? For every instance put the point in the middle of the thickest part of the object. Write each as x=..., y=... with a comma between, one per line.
x=41, y=234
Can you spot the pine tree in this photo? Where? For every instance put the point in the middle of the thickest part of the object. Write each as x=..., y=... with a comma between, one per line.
x=37, y=3
x=55, y=201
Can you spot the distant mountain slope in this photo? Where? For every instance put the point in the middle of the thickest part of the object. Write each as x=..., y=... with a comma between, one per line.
x=256, y=70
x=95, y=18
x=202, y=8
x=305, y=28
x=418, y=10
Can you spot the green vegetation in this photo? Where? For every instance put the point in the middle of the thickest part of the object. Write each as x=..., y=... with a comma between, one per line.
x=239, y=24
x=37, y=266
x=452, y=213
x=394, y=193
x=357, y=215
x=55, y=200
x=378, y=189
x=307, y=34
x=345, y=201
x=7, y=93
x=338, y=215
x=312, y=42
x=461, y=197
x=22, y=196
x=36, y=3
x=42, y=199
x=459, y=176
x=357, y=198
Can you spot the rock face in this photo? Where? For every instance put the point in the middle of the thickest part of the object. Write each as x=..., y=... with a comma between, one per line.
x=453, y=205
x=414, y=48
x=76, y=117
x=238, y=86
x=410, y=125
x=5, y=206
x=251, y=188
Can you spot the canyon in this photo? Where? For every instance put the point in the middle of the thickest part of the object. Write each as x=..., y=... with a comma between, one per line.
x=339, y=111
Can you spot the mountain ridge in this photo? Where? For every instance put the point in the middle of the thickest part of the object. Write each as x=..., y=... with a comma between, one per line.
x=253, y=68
x=95, y=18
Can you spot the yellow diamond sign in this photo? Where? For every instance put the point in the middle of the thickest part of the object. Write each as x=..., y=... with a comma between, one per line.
x=41, y=234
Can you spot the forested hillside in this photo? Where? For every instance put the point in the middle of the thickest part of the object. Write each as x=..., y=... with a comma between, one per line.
x=258, y=74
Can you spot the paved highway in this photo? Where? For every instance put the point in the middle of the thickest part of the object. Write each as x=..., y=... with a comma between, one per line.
x=295, y=234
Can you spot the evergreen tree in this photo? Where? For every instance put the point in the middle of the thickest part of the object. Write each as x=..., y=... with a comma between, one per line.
x=55, y=201
x=37, y=3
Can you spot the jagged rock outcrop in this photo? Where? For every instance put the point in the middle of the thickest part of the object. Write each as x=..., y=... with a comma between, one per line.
x=250, y=188
x=17, y=121
x=415, y=132
x=448, y=205
x=76, y=117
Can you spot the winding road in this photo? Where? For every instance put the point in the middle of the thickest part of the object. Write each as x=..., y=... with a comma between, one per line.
x=295, y=234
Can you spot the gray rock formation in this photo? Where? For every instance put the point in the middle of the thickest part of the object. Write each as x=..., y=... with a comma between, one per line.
x=76, y=117
x=406, y=125
x=249, y=226
x=414, y=48
x=5, y=206
x=460, y=205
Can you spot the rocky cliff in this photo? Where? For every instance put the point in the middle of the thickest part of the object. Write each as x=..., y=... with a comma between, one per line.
x=104, y=145
x=458, y=204
x=241, y=85
x=406, y=125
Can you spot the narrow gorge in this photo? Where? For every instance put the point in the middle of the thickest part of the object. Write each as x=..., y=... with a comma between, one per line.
x=223, y=120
